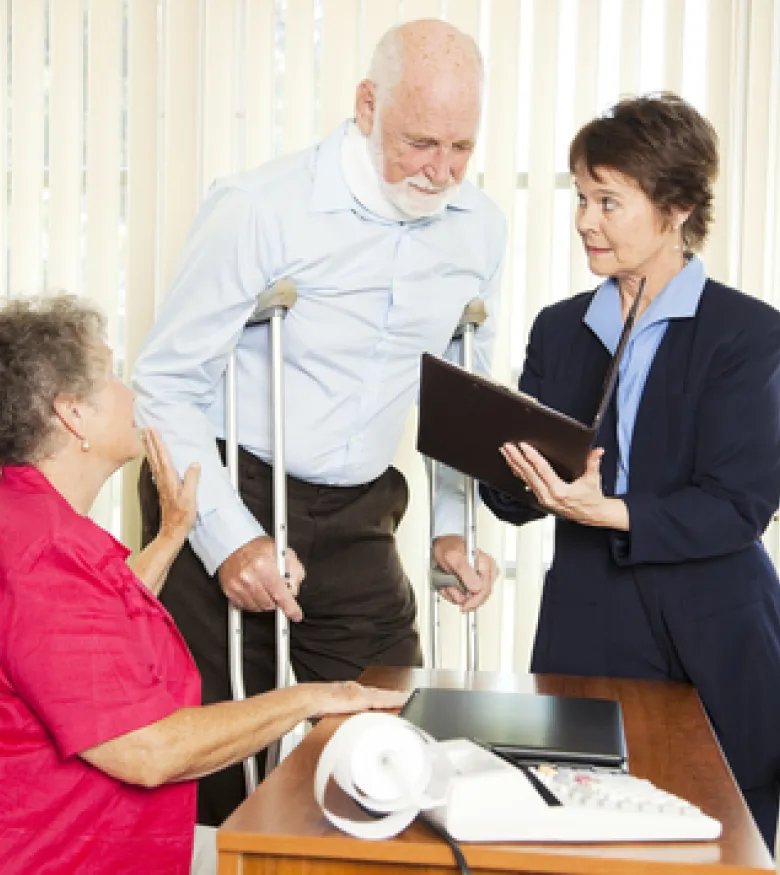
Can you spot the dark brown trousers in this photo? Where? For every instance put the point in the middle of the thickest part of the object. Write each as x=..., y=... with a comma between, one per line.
x=358, y=605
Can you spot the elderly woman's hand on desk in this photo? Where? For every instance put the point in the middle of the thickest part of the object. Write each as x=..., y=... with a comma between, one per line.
x=582, y=501
x=349, y=697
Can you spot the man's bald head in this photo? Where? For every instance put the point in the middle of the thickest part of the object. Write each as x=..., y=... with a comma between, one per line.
x=421, y=52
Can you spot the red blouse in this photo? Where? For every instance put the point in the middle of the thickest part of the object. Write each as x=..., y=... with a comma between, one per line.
x=87, y=653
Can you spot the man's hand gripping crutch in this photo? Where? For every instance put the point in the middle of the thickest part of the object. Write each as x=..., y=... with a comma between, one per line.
x=264, y=574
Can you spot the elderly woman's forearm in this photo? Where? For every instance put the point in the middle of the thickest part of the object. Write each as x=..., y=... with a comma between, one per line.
x=152, y=564
x=193, y=742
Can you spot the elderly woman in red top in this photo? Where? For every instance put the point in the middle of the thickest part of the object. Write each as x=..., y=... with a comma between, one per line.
x=101, y=730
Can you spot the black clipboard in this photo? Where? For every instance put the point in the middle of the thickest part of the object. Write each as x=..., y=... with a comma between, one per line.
x=465, y=418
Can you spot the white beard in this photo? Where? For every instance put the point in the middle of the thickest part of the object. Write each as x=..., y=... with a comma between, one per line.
x=405, y=195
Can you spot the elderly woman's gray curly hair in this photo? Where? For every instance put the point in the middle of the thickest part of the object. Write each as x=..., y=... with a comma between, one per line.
x=49, y=347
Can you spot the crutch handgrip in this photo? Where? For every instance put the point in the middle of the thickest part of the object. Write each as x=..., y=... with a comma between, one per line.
x=281, y=296
x=442, y=579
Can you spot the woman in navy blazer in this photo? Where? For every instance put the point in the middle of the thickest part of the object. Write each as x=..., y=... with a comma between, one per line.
x=658, y=569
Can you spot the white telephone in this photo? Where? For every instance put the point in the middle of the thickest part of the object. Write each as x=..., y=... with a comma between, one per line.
x=394, y=770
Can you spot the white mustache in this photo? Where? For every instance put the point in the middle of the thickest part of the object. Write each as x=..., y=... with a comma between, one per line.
x=427, y=187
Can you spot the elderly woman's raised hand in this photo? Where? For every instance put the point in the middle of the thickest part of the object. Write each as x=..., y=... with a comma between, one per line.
x=582, y=501
x=177, y=497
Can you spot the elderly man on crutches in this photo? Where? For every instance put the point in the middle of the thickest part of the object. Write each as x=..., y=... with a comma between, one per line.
x=385, y=243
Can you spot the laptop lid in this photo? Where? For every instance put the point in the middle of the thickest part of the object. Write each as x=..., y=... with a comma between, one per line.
x=522, y=726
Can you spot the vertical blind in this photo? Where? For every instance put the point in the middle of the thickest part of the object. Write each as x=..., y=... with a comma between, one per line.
x=116, y=116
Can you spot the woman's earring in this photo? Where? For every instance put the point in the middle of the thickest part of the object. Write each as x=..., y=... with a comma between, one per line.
x=84, y=445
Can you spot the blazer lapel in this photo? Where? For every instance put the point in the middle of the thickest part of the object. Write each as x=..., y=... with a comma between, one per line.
x=607, y=438
x=663, y=395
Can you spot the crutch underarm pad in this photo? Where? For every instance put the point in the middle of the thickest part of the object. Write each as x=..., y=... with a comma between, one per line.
x=281, y=296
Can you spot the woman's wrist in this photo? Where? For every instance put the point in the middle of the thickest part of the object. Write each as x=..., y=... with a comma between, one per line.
x=615, y=515
x=171, y=537
x=311, y=699
x=319, y=698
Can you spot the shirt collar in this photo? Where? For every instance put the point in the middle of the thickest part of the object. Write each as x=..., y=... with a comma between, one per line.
x=331, y=193
x=467, y=199
x=27, y=479
x=679, y=299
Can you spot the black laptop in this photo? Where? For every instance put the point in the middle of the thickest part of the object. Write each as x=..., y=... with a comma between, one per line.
x=522, y=727
x=465, y=418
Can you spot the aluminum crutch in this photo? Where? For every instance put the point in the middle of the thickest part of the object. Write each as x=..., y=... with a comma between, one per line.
x=474, y=314
x=271, y=307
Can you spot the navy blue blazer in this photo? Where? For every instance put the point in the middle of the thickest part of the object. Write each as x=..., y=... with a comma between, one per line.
x=689, y=593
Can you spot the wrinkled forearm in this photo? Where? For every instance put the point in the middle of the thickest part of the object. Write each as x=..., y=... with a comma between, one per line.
x=151, y=565
x=193, y=742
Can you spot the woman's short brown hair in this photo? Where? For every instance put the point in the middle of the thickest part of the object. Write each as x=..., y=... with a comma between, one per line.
x=49, y=346
x=665, y=146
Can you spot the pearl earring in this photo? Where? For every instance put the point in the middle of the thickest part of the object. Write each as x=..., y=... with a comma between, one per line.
x=84, y=445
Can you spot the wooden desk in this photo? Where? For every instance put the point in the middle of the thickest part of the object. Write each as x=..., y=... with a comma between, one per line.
x=280, y=829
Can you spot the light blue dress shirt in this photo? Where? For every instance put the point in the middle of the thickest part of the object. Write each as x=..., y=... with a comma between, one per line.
x=679, y=299
x=373, y=295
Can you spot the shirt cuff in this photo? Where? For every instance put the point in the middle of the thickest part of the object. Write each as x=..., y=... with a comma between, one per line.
x=623, y=544
x=450, y=516
x=221, y=532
